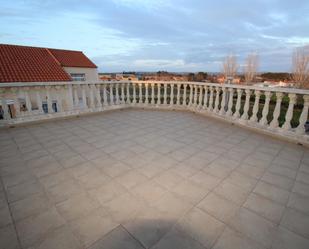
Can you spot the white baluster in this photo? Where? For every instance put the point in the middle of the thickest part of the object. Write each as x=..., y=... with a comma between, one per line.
x=16, y=103
x=105, y=101
x=49, y=100
x=159, y=94
x=28, y=101
x=195, y=95
x=91, y=96
x=6, y=114
x=178, y=94
x=205, y=97
x=200, y=99
x=216, y=110
x=84, y=98
x=134, y=94
x=275, y=123
x=111, y=94
x=146, y=94
x=211, y=99
x=98, y=95
x=172, y=95
x=222, y=109
x=117, y=94
x=128, y=100
x=230, y=104
x=191, y=95
x=255, y=110
x=245, y=115
x=238, y=104
x=165, y=94
x=264, y=120
x=122, y=94
x=152, y=93
x=289, y=113
x=184, y=97
x=76, y=99
x=39, y=99
x=140, y=93
x=303, y=116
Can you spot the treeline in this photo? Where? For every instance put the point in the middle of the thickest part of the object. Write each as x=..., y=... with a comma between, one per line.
x=276, y=76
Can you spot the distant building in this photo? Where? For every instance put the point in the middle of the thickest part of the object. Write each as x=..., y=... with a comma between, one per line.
x=36, y=64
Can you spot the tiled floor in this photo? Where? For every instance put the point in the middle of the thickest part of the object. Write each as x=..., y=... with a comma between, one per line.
x=151, y=179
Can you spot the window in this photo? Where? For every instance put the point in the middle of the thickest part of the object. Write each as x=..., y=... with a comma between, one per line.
x=78, y=76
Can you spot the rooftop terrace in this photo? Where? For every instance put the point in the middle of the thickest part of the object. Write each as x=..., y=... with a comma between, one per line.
x=151, y=179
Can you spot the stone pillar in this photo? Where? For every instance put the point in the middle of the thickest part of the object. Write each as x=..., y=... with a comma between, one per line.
x=140, y=93
x=172, y=95
x=300, y=130
x=98, y=95
x=134, y=94
x=255, y=110
x=275, y=123
x=165, y=94
x=91, y=96
x=289, y=113
x=195, y=95
x=152, y=93
x=191, y=95
x=146, y=94
x=245, y=115
x=105, y=102
x=184, y=97
x=122, y=94
x=159, y=94
x=264, y=120
x=117, y=93
x=200, y=99
x=128, y=100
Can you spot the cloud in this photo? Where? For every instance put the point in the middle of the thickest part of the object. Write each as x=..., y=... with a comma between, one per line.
x=176, y=35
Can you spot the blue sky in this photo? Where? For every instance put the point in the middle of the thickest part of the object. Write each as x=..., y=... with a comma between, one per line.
x=173, y=35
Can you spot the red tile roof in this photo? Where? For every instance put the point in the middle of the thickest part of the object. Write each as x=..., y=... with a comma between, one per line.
x=34, y=64
x=70, y=58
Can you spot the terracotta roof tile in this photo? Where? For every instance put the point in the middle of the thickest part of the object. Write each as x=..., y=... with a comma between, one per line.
x=69, y=58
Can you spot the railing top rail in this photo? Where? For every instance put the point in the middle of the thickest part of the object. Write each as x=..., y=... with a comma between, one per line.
x=244, y=87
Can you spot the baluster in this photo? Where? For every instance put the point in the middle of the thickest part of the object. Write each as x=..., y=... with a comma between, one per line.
x=152, y=93
x=134, y=94
x=184, y=97
x=255, y=110
x=303, y=116
x=76, y=99
x=159, y=94
x=91, y=96
x=165, y=94
x=264, y=120
x=195, y=95
x=230, y=104
x=275, y=123
x=222, y=109
x=39, y=100
x=238, y=104
x=200, y=99
x=84, y=96
x=140, y=93
x=6, y=114
x=49, y=100
x=128, y=100
x=211, y=99
x=289, y=113
x=191, y=95
x=146, y=94
x=245, y=115
x=178, y=94
x=16, y=103
x=205, y=97
x=105, y=102
x=216, y=110
x=111, y=94
x=28, y=101
x=172, y=95
x=122, y=94
x=117, y=94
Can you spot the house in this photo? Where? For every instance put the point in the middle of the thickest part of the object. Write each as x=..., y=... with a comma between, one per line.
x=36, y=64
x=22, y=64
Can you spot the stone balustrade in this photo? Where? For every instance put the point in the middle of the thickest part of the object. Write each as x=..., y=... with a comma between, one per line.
x=279, y=112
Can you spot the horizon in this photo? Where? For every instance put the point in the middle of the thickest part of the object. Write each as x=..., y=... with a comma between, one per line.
x=171, y=35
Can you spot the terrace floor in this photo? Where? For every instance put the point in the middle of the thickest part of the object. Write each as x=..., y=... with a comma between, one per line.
x=151, y=179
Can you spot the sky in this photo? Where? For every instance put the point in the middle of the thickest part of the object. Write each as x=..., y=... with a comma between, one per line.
x=152, y=35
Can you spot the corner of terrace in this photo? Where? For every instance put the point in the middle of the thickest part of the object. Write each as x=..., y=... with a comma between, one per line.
x=158, y=165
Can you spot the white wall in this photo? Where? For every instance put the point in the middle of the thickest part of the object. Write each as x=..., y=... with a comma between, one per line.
x=91, y=74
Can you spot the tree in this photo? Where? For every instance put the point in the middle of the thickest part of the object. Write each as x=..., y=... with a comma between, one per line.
x=230, y=66
x=191, y=77
x=300, y=67
x=251, y=67
x=201, y=76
